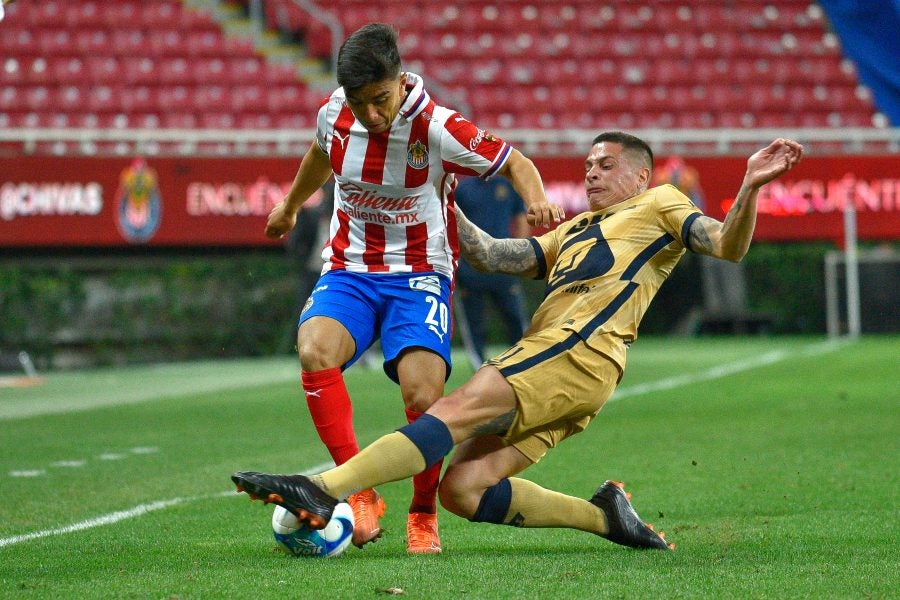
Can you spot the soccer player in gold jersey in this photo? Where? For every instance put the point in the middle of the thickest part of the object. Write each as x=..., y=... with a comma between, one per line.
x=602, y=267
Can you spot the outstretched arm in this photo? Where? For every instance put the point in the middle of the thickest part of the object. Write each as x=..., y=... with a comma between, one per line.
x=526, y=180
x=731, y=239
x=314, y=171
x=485, y=253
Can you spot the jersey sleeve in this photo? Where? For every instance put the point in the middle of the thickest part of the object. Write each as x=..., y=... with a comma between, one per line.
x=468, y=150
x=546, y=248
x=676, y=213
x=321, y=126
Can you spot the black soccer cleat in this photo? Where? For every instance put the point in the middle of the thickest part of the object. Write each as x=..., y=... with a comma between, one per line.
x=295, y=493
x=625, y=526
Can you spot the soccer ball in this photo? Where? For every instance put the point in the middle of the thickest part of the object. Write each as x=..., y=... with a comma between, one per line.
x=300, y=540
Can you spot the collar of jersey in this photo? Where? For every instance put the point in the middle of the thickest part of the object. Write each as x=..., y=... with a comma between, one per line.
x=621, y=205
x=417, y=98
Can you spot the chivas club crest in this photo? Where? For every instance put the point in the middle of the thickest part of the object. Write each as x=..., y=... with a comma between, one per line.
x=417, y=155
x=138, y=204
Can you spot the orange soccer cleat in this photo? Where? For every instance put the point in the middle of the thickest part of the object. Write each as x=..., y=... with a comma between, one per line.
x=422, y=534
x=368, y=506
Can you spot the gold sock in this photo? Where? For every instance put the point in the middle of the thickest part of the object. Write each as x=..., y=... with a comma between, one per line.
x=534, y=506
x=389, y=458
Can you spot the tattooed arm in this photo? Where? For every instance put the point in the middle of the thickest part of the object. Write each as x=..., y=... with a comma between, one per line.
x=731, y=239
x=488, y=254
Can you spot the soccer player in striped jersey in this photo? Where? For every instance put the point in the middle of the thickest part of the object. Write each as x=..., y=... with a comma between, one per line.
x=392, y=249
x=602, y=268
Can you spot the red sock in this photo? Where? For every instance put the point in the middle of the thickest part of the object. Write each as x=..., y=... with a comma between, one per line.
x=331, y=411
x=425, y=484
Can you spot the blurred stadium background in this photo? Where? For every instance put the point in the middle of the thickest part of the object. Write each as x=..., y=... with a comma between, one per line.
x=142, y=145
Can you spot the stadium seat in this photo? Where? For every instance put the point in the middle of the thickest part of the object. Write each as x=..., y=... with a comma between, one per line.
x=248, y=98
x=175, y=98
x=161, y=14
x=684, y=63
x=172, y=70
x=121, y=13
x=255, y=120
x=212, y=98
x=83, y=14
x=103, y=69
x=169, y=42
x=204, y=69
x=130, y=42
x=141, y=69
x=45, y=14
x=217, y=120
x=179, y=120
x=293, y=120
x=243, y=70
x=61, y=69
x=13, y=71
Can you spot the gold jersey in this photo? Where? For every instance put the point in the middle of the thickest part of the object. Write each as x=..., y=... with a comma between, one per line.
x=604, y=267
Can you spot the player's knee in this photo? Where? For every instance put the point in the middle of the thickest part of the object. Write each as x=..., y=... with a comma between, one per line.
x=459, y=497
x=419, y=398
x=420, y=393
x=316, y=355
x=473, y=501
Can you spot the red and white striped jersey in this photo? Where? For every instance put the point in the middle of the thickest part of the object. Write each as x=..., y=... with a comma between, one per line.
x=393, y=205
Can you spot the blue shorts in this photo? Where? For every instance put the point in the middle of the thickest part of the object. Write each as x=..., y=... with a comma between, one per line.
x=405, y=310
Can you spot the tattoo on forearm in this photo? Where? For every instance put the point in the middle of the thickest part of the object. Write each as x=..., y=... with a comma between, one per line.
x=700, y=241
x=729, y=239
x=498, y=426
x=485, y=253
x=736, y=210
x=511, y=256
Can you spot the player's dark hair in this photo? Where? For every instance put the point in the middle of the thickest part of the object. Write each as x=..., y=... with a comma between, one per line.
x=631, y=143
x=369, y=55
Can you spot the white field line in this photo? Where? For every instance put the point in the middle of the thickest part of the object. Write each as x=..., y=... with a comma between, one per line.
x=121, y=515
x=724, y=370
x=669, y=383
x=66, y=393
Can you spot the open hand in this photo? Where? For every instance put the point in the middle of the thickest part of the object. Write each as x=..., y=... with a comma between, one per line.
x=771, y=162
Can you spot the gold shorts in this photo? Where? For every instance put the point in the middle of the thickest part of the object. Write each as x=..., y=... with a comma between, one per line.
x=560, y=382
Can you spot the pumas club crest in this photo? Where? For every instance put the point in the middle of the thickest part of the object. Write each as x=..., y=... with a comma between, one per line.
x=417, y=155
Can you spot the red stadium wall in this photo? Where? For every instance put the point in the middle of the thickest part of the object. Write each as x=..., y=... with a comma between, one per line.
x=103, y=202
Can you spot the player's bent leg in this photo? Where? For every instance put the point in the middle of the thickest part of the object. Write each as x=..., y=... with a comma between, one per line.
x=479, y=485
x=421, y=374
x=422, y=535
x=623, y=524
x=395, y=456
x=478, y=465
x=484, y=405
x=324, y=345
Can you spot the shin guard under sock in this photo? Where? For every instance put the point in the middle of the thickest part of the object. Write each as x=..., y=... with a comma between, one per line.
x=331, y=411
x=425, y=484
x=406, y=452
x=522, y=503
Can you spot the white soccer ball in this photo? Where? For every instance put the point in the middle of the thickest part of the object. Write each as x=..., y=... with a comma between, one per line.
x=300, y=540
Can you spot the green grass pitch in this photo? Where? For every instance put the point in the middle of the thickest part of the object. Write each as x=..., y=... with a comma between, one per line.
x=770, y=462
